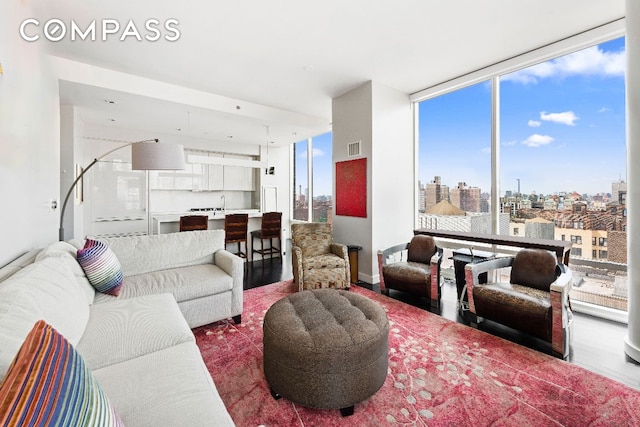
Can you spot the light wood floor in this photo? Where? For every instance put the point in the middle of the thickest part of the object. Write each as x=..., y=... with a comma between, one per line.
x=597, y=345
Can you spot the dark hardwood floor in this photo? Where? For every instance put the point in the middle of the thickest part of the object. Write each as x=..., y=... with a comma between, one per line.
x=597, y=344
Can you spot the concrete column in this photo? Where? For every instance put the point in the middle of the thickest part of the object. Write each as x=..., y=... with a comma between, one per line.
x=632, y=341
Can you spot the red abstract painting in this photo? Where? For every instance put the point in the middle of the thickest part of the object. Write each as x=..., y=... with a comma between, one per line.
x=351, y=188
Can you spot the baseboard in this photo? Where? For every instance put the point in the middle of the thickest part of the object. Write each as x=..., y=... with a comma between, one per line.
x=599, y=311
x=368, y=278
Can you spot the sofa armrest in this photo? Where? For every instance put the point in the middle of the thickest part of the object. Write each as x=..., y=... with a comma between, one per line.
x=233, y=265
x=342, y=251
x=296, y=266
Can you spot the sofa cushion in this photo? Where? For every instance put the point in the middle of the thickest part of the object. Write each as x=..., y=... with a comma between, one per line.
x=101, y=266
x=123, y=329
x=48, y=384
x=144, y=254
x=65, y=252
x=176, y=391
x=43, y=290
x=185, y=283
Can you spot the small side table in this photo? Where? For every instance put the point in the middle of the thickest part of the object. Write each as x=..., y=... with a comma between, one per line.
x=353, y=262
x=462, y=257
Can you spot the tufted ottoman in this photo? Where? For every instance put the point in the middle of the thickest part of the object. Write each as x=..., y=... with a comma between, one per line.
x=325, y=348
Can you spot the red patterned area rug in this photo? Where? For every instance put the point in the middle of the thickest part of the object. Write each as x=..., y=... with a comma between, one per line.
x=441, y=373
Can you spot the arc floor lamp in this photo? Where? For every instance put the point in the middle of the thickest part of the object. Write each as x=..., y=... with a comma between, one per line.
x=146, y=155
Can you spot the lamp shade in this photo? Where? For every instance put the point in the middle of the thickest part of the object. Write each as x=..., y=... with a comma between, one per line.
x=157, y=156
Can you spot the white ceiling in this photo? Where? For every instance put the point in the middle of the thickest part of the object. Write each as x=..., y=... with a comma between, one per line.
x=296, y=55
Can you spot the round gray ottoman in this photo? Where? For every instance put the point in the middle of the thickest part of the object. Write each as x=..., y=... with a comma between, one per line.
x=325, y=348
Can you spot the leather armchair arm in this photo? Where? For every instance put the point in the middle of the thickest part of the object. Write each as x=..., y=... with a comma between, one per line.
x=383, y=256
x=563, y=283
x=436, y=260
x=386, y=253
x=561, y=315
x=473, y=271
x=341, y=250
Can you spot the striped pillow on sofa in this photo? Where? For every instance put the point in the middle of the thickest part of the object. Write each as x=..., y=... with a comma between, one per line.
x=48, y=384
x=101, y=266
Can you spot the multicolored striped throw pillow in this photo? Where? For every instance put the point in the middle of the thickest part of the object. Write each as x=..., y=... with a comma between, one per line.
x=101, y=266
x=48, y=384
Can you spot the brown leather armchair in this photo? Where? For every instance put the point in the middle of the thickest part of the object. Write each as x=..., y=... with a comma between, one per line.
x=412, y=267
x=535, y=301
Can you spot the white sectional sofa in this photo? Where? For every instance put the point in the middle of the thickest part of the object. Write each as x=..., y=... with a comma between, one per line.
x=138, y=346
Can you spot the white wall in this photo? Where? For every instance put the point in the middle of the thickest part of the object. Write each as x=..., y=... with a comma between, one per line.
x=352, y=121
x=632, y=342
x=381, y=118
x=393, y=171
x=29, y=140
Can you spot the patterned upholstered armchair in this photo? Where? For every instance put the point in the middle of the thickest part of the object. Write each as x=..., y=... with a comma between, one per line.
x=534, y=301
x=317, y=261
x=412, y=267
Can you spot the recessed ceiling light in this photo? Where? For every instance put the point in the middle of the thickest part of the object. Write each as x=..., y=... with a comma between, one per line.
x=179, y=130
x=230, y=136
x=111, y=119
x=109, y=101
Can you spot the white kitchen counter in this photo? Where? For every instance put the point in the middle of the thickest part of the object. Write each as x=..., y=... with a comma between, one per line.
x=170, y=222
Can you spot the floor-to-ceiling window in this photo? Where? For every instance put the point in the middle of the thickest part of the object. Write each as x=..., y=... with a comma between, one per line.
x=455, y=160
x=300, y=181
x=312, y=163
x=563, y=162
x=322, y=178
x=562, y=159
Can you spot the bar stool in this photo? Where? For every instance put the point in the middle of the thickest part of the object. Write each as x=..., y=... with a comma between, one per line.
x=270, y=229
x=235, y=231
x=194, y=222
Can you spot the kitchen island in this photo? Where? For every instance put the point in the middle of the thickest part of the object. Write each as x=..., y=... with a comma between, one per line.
x=170, y=222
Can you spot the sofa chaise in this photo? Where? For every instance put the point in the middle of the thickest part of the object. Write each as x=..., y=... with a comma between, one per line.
x=138, y=346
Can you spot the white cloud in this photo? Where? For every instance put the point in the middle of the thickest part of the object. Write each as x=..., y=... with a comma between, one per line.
x=591, y=61
x=537, y=140
x=316, y=153
x=566, y=118
x=534, y=123
x=509, y=143
x=604, y=110
x=486, y=150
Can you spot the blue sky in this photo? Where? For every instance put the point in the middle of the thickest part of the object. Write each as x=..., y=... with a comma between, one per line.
x=322, y=165
x=562, y=127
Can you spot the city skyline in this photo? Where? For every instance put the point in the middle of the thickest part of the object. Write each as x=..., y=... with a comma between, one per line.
x=562, y=127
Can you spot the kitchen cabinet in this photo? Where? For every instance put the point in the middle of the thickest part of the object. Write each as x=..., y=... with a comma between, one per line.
x=239, y=178
x=173, y=180
x=206, y=177
x=215, y=176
